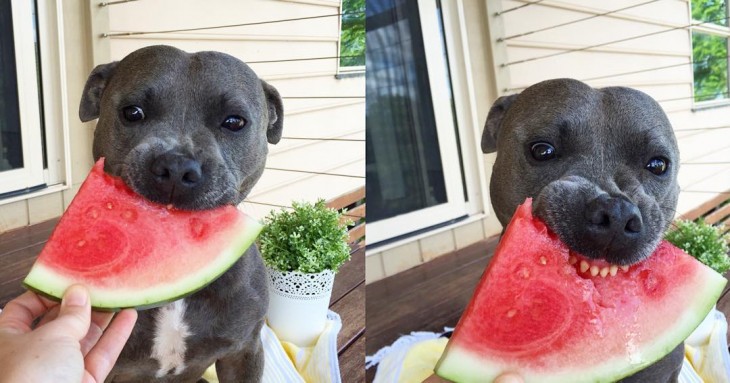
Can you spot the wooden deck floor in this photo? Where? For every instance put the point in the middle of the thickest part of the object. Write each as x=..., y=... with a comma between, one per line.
x=433, y=295
x=19, y=248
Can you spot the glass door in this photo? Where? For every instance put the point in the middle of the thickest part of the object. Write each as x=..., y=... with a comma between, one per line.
x=21, y=145
x=414, y=176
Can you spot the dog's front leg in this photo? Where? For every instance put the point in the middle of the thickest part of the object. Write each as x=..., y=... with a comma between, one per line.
x=246, y=365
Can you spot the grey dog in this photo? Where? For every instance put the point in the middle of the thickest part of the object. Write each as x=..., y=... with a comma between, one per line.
x=190, y=130
x=601, y=166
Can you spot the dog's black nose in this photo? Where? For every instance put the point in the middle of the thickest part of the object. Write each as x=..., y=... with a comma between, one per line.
x=613, y=218
x=173, y=170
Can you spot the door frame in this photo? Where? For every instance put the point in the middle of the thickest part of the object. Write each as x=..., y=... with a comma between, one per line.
x=439, y=78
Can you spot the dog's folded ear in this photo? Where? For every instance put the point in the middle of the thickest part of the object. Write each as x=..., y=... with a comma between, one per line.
x=276, y=113
x=94, y=88
x=494, y=122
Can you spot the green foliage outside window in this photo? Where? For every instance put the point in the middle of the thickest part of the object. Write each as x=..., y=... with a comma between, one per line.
x=352, y=34
x=710, y=52
x=711, y=11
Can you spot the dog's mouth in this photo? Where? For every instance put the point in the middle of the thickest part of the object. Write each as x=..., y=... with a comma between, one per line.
x=588, y=267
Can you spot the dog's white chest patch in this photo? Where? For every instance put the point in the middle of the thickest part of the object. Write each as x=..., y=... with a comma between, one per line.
x=169, y=343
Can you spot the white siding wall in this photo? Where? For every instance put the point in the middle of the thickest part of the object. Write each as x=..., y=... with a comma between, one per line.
x=661, y=49
x=310, y=118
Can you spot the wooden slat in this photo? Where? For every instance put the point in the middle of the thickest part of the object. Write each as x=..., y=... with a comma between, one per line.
x=346, y=199
x=352, y=362
x=26, y=236
x=717, y=215
x=355, y=214
x=357, y=232
x=15, y=267
x=352, y=312
x=351, y=274
x=425, y=298
x=702, y=209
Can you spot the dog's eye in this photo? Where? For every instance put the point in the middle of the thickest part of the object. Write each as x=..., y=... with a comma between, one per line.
x=234, y=123
x=658, y=165
x=133, y=113
x=542, y=151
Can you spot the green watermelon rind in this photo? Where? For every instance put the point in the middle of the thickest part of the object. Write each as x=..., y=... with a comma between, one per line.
x=44, y=281
x=460, y=365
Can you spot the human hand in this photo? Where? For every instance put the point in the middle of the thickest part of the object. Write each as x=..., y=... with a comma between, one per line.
x=71, y=343
x=504, y=378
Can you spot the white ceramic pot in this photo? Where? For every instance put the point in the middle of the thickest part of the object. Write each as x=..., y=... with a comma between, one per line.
x=298, y=304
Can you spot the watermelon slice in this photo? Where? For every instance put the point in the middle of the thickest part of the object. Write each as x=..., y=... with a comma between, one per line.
x=131, y=252
x=554, y=316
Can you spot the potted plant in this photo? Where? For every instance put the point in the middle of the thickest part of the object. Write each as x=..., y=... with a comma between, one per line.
x=702, y=241
x=303, y=248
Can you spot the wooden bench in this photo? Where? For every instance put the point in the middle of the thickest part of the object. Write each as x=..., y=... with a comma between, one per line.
x=715, y=211
x=352, y=204
x=348, y=295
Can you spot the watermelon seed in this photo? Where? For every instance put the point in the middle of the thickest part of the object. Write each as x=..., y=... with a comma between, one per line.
x=511, y=313
x=93, y=213
x=109, y=205
x=524, y=273
x=613, y=270
x=128, y=214
x=572, y=260
x=543, y=261
x=81, y=243
x=594, y=270
x=604, y=272
x=584, y=266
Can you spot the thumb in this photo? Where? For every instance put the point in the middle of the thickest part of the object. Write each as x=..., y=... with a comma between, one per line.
x=509, y=378
x=74, y=316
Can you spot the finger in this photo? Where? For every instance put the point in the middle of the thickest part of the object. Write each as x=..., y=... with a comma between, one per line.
x=19, y=313
x=100, y=360
x=49, y=316
x=87, y=378
x=509, y=378
x=99, y=323
x=74, y=316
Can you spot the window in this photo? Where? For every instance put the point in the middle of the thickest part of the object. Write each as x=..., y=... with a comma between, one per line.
x=352, y=36
x=710, y=50
x=412, y=158
x=21, y=141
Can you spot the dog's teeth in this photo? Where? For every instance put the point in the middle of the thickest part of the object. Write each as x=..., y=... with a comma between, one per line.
x=169, y=207
x=584, y=266
x=594, y=270
x=604, y=271
x=572, y=260
x=625, y=268
x=613, y=270
x=543, y=261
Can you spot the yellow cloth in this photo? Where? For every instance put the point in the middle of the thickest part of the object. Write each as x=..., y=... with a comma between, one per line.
x=706, y=349
x=287, y=363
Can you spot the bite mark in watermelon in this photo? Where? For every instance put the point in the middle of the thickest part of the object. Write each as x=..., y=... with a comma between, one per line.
x=554, y=316
x=131, y=252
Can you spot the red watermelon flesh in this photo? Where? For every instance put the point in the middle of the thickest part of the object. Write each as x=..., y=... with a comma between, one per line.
x=554, y=316
x=131, y=252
